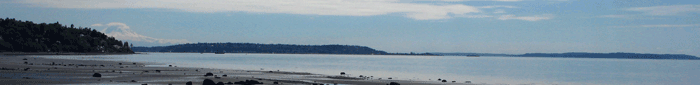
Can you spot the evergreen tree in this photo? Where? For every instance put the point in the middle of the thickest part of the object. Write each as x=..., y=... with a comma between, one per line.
x=27, y=36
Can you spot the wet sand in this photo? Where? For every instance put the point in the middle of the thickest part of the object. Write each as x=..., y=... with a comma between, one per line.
x=36, y=70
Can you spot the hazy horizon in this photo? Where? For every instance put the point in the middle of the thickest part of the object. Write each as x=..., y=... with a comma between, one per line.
x=467, y=26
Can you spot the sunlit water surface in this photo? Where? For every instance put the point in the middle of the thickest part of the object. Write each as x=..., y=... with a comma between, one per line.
x=489, y=70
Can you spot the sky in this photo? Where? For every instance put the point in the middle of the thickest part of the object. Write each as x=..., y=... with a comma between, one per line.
x=473, y=26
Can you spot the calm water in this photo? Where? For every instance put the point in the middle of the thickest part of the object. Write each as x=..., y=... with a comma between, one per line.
x=489, y=70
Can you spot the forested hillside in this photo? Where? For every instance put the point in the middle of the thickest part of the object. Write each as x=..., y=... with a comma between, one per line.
x=27, y=36
x=262, y=48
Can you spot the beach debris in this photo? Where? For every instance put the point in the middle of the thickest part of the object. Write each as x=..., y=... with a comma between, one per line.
x=134, y=63
x=25, y=62
x=158, y=71
x=209, y=74
x=248, y=82
x=120, y=63
x=26, y=69
x=145, y=71
x=394, y=83
x=275, y=82
x=220, y=83
x=224, y=75
x=208, y=82
x=97, y=75
x=388, y=78
x=188, y=83
x=133, y=80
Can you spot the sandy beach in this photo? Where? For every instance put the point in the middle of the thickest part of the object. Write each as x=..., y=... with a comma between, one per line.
x=25, y=69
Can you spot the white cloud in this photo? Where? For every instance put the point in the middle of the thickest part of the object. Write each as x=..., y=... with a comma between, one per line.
x=419, y=11
x=474, y=16
x=123, y=32
x=96, y=25
x=476, y=0
x=526, y=18
x=499, y=11
x=497, y=6
x=667, y=10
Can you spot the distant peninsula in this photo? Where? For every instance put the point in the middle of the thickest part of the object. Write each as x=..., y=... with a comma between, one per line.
x=27, y=37
x=619, y=55
x=268, y=48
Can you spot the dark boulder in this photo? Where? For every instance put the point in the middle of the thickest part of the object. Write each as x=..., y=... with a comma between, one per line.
x=188, y=83
x=208, y=82
x=394, y=83
x=133, y=80
x=209, y=74
x=444, y=80
x=97, y=75
x=229, y=82
x=220, y=83
x=224, y=75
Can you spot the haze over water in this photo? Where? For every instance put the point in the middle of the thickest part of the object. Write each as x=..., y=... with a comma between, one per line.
x=489, y=70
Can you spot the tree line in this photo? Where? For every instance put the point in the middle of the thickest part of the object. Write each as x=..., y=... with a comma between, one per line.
x=27, y=36
x=262, y=48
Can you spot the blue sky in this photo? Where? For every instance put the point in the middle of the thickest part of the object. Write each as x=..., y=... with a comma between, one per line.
x=484, y=26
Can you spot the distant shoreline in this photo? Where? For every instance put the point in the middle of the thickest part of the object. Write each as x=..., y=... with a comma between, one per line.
x=293, y=53
x=60, y=53
x=618, y=55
